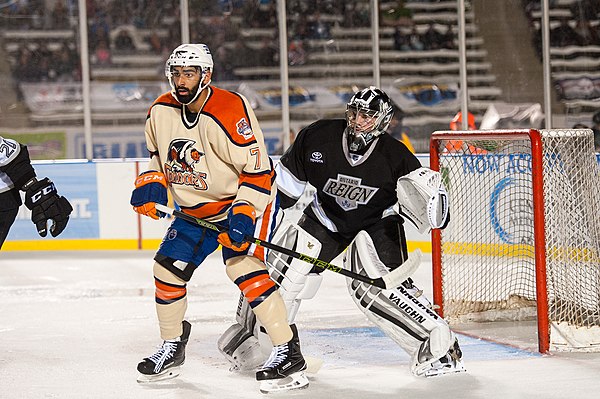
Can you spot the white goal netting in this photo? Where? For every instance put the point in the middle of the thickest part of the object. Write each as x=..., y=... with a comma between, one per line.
x=488, y=261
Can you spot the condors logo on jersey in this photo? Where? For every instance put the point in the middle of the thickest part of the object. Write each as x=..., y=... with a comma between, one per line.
x=348, y=191
x=181, y=159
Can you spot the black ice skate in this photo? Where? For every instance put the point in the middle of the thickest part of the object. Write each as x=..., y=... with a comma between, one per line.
x=284, y=370
x=164, y=364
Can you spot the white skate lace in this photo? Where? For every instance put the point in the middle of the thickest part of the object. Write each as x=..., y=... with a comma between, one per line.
x=164, y=353
x=278, y=355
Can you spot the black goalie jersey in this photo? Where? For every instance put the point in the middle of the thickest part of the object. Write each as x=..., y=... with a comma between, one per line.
x=353, y=191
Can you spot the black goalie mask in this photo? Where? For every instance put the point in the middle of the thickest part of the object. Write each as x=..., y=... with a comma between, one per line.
x=368, y=115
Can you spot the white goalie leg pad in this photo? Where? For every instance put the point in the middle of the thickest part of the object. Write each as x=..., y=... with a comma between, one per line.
x=239, y=343
x=246, y=344
x=402, y=313
x=293, y=275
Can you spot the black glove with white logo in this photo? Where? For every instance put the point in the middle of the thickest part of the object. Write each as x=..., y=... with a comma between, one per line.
x=45, y=204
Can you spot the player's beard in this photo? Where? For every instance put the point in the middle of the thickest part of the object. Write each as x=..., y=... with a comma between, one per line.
x=187, y=98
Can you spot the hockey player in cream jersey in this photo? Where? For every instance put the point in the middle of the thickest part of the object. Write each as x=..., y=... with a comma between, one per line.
x=207, y=149
x=364, y=181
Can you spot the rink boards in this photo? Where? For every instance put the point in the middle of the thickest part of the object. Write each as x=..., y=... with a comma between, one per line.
x=102, y=218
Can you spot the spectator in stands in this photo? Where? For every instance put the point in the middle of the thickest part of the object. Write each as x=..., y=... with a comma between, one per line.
x=564, y=35
x=267, y=53
x=300, y=28
x=25, y=68
x=447, y=38
x=585, y=9
x=64, y=64
x=124, y=41
x=401, y=40
x=42, y=51
x=38, y=18
x=415, y=40
x=356, y=14
x=99, y=29
x=318, y=28
x=432, y=39
x=266, y=15
x=297, y=53
x=588, y=34
x=60, y=17
x=102, y=55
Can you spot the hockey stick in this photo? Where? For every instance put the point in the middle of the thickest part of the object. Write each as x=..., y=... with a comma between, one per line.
x=391, y=280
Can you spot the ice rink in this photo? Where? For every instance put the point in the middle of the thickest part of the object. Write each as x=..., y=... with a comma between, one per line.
x=75, y=324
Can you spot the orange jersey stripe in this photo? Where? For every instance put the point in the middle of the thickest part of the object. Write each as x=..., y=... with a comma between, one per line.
x=263, y=234
x=209, y=209
x=261, y=182
x=165, y=98
x=229, y=109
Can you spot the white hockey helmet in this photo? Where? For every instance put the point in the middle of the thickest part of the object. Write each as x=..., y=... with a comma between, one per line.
x=196, y=55
x=375, y=109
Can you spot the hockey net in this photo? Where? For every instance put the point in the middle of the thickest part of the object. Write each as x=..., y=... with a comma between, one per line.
x=524, y=237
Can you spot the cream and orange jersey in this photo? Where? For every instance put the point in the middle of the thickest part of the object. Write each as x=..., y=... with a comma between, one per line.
x=214, y=161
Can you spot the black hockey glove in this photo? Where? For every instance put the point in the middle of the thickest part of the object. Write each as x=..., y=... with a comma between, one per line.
x=45, y=204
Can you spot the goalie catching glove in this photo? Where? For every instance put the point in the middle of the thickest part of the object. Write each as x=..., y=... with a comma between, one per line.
x=150, y=189
x=423, y=199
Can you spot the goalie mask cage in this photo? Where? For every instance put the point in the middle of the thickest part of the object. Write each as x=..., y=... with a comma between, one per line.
x=524, y=234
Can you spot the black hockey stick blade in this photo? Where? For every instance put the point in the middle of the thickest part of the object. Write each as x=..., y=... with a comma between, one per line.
x=390, y=280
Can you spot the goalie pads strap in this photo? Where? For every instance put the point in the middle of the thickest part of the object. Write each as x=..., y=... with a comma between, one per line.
x=402, y=313
x=423, y=199
x=293, y=275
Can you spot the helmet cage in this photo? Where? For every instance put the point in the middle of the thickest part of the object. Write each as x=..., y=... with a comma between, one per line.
x=375, y=110
x=192, y=55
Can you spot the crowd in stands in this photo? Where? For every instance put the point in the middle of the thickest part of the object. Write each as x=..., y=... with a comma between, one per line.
x=115, y=28
x=578, y=27
x=431, y=39
x=45, y=65
x=582, y=34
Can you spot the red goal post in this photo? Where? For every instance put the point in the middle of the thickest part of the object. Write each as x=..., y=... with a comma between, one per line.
x=524, y=235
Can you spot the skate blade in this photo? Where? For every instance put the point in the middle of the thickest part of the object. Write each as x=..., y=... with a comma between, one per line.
x=165, y=375
x=458, y=368
x=291, y=382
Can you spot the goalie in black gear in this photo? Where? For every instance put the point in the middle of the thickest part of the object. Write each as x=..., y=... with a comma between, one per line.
x=17, y=174
x=364, y=181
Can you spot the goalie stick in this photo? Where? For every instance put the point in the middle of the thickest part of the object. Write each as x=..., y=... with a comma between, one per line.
x=391, y=280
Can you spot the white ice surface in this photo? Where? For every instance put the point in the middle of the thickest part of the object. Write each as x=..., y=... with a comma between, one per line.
x=75, y=324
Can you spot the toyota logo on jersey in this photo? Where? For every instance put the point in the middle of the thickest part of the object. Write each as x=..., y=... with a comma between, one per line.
x=348, y=192
x=316, y=157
